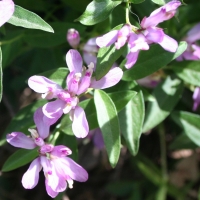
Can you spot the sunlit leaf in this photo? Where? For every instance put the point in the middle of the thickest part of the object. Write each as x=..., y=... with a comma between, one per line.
x=109, y=125
x=28, y=19
x=152, y=60
x=106, y=58
x=131, y=122
x=97, y=11
x=167, y=94
x=189, y=122
x=188, y=71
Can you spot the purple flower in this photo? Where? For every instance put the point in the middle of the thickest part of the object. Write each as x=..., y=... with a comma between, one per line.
x=196, y=98
x=193, y=50
x=119, y=37
x=78, y=82
x=56, y=166
x=7, y=8
x=97, y=138
x=154, y=34
x=90, y=50
x=135, y=43
x=73, y=37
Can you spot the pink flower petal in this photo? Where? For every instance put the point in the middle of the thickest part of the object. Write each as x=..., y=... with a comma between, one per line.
x=169, y=44
x=61, y=151
x=194, y=34
x=131, y=59
x=7, y=8
x=42, y=84
x=107, y=39
x=56, y=181
x=53, y=111
x=43, y=128
x=122, y=36
x=74, y=61
x=110, y=79
x=72, y=169
x=154, y=34
x=49, y=190
x=80, y=125
x=161, y=14
x=89, y=57
x=31, y=176
x=18, y=139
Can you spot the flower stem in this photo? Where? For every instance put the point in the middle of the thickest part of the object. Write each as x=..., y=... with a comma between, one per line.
x=127, y=13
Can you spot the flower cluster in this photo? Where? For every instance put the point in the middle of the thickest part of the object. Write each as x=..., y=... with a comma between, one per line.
x=57, y=167
x=140, y=38
x=78, y=82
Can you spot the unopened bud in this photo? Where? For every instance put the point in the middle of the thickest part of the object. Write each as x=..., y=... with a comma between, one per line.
x=73, y=37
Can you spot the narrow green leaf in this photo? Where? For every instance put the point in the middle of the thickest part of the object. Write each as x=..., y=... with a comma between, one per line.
x=24, y=118
x=109, y=124
x=131, y=121
x=182, y=141
x=106, y=58
x=28, y=19
x=188, y=71
x=97, y=11
x=189, y=122
x=152, y=60
x=57, y=75
x=166, y=95
x=136, y=1
x=1, y=76
x=19, y=158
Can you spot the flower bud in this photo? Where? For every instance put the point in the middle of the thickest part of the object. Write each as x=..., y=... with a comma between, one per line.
x=73, y=37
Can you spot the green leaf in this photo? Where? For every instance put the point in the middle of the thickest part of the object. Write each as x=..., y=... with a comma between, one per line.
x=160, y=2
x=189, y=122
x=97, y=11
x=57, y=75
x=131, y=121
x=27, y=19
x=121, y=98
x=90, y=111
x=182, y=141
x=109, y=124
x=19, y=158
x=1, y=76
x=166, y=95
x=23, y=120
x=105, y=60
x=188, y=71
x=152, y=60
x=136, y=1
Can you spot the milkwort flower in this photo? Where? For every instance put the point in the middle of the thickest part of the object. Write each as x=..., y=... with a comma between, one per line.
x=7, y=8
x=73, y=38
x=196, y=98
x=56, y=166
x=193, y=50
x=78, y=81
x=139, y=39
